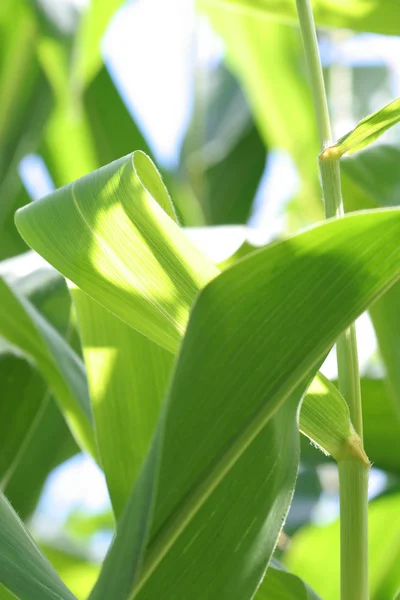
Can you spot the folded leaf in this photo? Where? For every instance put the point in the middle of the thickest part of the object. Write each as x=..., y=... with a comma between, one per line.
x=23, y=568
x=24, y=327
x=108, y=235
x=366, y=132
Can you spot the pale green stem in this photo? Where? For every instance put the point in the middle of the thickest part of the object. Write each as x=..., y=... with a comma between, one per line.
x=353, y=479
x=353, y=474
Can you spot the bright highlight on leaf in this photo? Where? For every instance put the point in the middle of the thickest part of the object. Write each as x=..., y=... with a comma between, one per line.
x=119, y=246
x=366, y=132
x=325, y=419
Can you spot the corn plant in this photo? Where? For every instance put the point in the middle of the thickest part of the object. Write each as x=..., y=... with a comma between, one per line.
x=192, y=382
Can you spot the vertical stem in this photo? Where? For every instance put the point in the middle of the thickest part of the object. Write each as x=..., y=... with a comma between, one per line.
x=353, y=480
x=353, y=474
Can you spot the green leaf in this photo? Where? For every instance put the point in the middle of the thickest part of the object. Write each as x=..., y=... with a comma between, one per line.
x=224, y=372
x=22, y=399
x=267, y=59
x=112, y=128
x=23, y=568
x=381, y=427
x=24, y=327
x=49, y=445
x=146, y=279
x=381, y=424
x=75, y=571
x=91, y=30
x=325, y=419
x=366, y=132
x=374, y=174
x=127, y=375
x=223, y=155
x=227, y=432
x=376, y=17
x=279, y=584
x=321, y=569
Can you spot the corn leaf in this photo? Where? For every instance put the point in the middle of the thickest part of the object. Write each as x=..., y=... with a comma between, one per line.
x=377, y=16
x=76, y=572
x=127, y=370
x=227, y=432
x=24, y=327
x=24, y=570
x=381, y=426
x=133, y=275
x=128, y=375
x=22, y=399
x=367, y=131
x=267, y=59
x=49, y=444
x=374, y=176
x=325, y=419
x=232, y=430
x=279, y=584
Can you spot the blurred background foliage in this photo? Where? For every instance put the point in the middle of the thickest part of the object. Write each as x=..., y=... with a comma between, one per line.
x=218, y=96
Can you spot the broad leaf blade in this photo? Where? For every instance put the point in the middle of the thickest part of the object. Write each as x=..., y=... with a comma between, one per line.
x=23, y=568
x=240, y=381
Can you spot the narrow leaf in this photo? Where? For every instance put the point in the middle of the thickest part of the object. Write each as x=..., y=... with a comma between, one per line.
x=23, y=568
x=24, y=327
x=325, y=419
x=366, y=132
x=22, y=399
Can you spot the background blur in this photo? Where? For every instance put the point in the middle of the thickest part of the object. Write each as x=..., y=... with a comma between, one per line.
x=219, y=100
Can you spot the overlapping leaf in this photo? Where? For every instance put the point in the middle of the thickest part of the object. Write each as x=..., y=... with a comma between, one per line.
x=235, y=383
